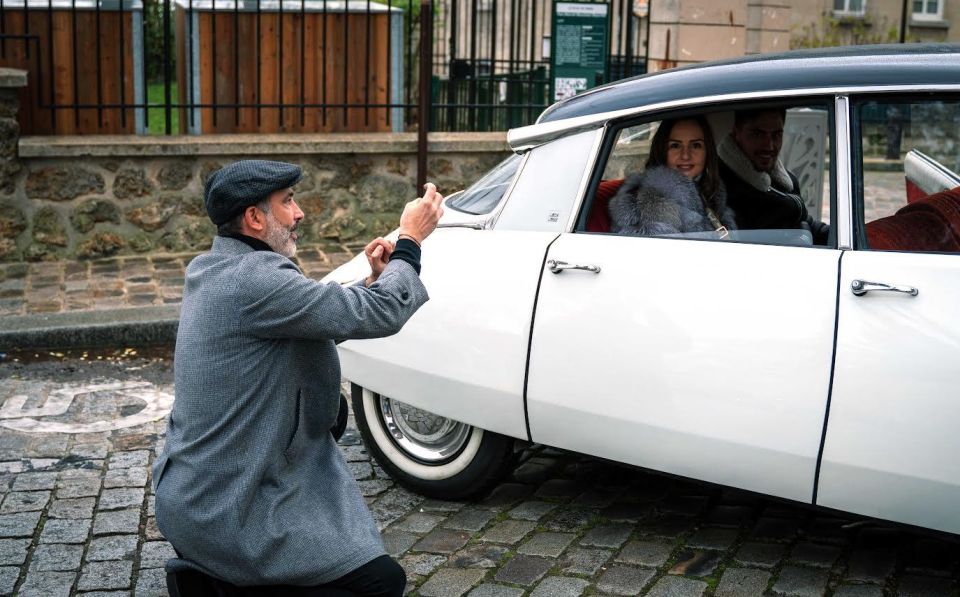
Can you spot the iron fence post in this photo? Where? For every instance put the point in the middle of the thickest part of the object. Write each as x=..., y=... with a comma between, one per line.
x=426, y=55
x=167, y=75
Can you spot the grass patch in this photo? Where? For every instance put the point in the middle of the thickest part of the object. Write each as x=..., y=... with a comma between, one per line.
x=714, y=579
x=156, y=114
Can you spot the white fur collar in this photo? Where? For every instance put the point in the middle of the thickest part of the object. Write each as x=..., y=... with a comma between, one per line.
x=733, y=156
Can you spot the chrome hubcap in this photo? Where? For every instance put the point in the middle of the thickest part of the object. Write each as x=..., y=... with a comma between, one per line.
x=427, y=437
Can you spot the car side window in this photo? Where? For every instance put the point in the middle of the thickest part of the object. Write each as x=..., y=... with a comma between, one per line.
x=909, y=192
x=756, y=174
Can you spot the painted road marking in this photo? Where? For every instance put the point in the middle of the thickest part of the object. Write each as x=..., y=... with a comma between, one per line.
x=15, y=415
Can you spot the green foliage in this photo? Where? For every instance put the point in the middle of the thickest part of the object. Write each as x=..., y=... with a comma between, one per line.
x=153, y=48
x=832, y=31
x=410, y=8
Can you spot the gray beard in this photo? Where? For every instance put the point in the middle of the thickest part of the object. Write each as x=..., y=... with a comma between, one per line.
x=278, y=237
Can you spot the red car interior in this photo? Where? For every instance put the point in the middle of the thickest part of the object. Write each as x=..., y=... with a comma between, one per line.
x=931, y=223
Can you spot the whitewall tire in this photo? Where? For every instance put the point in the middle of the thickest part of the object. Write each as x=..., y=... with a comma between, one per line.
x=429, y=454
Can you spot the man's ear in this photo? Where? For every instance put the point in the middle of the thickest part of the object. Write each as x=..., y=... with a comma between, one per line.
x=254, y=219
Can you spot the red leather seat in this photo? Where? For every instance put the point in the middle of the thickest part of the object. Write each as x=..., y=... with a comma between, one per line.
x=599, y=219
x=928, y=224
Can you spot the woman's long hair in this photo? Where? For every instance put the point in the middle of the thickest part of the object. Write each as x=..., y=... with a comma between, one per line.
x=709, y=181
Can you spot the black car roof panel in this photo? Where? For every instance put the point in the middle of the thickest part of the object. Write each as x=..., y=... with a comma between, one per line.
x=882, y=65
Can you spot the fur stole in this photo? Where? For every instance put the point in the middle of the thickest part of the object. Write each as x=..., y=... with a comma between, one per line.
x=664, y=201
x=736, y=160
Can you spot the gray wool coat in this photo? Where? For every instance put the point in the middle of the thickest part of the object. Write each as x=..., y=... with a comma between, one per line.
x=251, y=486
x=661, y=200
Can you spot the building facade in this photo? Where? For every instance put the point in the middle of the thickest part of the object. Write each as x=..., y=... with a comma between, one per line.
x=691, y=31
x=876, y=21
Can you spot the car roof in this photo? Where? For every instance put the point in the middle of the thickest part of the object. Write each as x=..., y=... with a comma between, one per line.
x=848, y=66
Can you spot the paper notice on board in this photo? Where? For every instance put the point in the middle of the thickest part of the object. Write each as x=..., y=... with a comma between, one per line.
x=565, y=87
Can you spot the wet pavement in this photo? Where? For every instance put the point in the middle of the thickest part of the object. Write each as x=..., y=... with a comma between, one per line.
x=80, y=430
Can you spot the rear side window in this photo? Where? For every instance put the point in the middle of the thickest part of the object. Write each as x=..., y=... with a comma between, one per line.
x=484, y=195
x=910, y=173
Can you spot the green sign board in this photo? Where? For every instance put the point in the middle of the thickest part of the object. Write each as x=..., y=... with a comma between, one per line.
x=578, y=56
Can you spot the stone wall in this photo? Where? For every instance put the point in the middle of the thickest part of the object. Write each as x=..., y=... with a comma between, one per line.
x=88, y=197
x=12, y=221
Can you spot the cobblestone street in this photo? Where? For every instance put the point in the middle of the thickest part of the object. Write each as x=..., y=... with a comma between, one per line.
x=77, y=515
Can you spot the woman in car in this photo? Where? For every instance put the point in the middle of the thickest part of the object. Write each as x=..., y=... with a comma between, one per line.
x=680, y=188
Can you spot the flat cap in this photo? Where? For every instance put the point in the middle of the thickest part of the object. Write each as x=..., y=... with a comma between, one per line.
x=234, y=187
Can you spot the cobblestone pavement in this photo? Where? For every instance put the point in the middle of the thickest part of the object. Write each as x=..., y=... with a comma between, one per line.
x=77, y=517
x=884, y=194
x=116, y=283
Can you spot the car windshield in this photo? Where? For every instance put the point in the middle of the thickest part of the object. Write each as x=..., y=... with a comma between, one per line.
x=484, y=195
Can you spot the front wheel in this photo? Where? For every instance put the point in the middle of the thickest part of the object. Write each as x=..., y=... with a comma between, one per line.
x=429, y=454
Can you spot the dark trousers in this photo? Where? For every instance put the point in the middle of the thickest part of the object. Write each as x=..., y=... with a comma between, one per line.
x=381, y=577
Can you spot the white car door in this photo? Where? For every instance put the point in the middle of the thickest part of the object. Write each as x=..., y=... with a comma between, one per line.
x=463, y=354
x=704, y=359
x=892, y=440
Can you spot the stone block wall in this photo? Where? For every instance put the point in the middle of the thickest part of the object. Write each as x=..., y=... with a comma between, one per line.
x=89, y=197
x=12, y=222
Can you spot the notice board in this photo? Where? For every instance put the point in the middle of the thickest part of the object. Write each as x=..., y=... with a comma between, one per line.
x=580, y=48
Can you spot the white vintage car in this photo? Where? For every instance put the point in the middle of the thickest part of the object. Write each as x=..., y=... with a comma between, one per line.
x=821, y=371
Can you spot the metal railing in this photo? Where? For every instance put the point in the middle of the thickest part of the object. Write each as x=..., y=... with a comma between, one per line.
x=236, y=66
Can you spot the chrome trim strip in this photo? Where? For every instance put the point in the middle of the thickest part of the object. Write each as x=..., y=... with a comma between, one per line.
x=491, y=221
x=844, y=190
x=528, y=137
x=471, y=225
x=585, y=180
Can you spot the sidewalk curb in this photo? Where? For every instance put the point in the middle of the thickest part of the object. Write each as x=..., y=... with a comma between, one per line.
x=133, y=326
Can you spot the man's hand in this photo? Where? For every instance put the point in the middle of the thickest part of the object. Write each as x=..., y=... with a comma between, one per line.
x=420, y=216
x=378, y=254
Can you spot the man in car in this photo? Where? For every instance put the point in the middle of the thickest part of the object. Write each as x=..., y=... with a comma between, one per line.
x=251, y=488
x=760, y=190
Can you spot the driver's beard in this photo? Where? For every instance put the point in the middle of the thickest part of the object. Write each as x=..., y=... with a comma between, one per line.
x=278, y=237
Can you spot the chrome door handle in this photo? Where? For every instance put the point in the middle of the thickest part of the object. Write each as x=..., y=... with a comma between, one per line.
x=862, y=287
x=558, y=266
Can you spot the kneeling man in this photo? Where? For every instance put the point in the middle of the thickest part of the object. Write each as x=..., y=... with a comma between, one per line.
x=251, y=488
